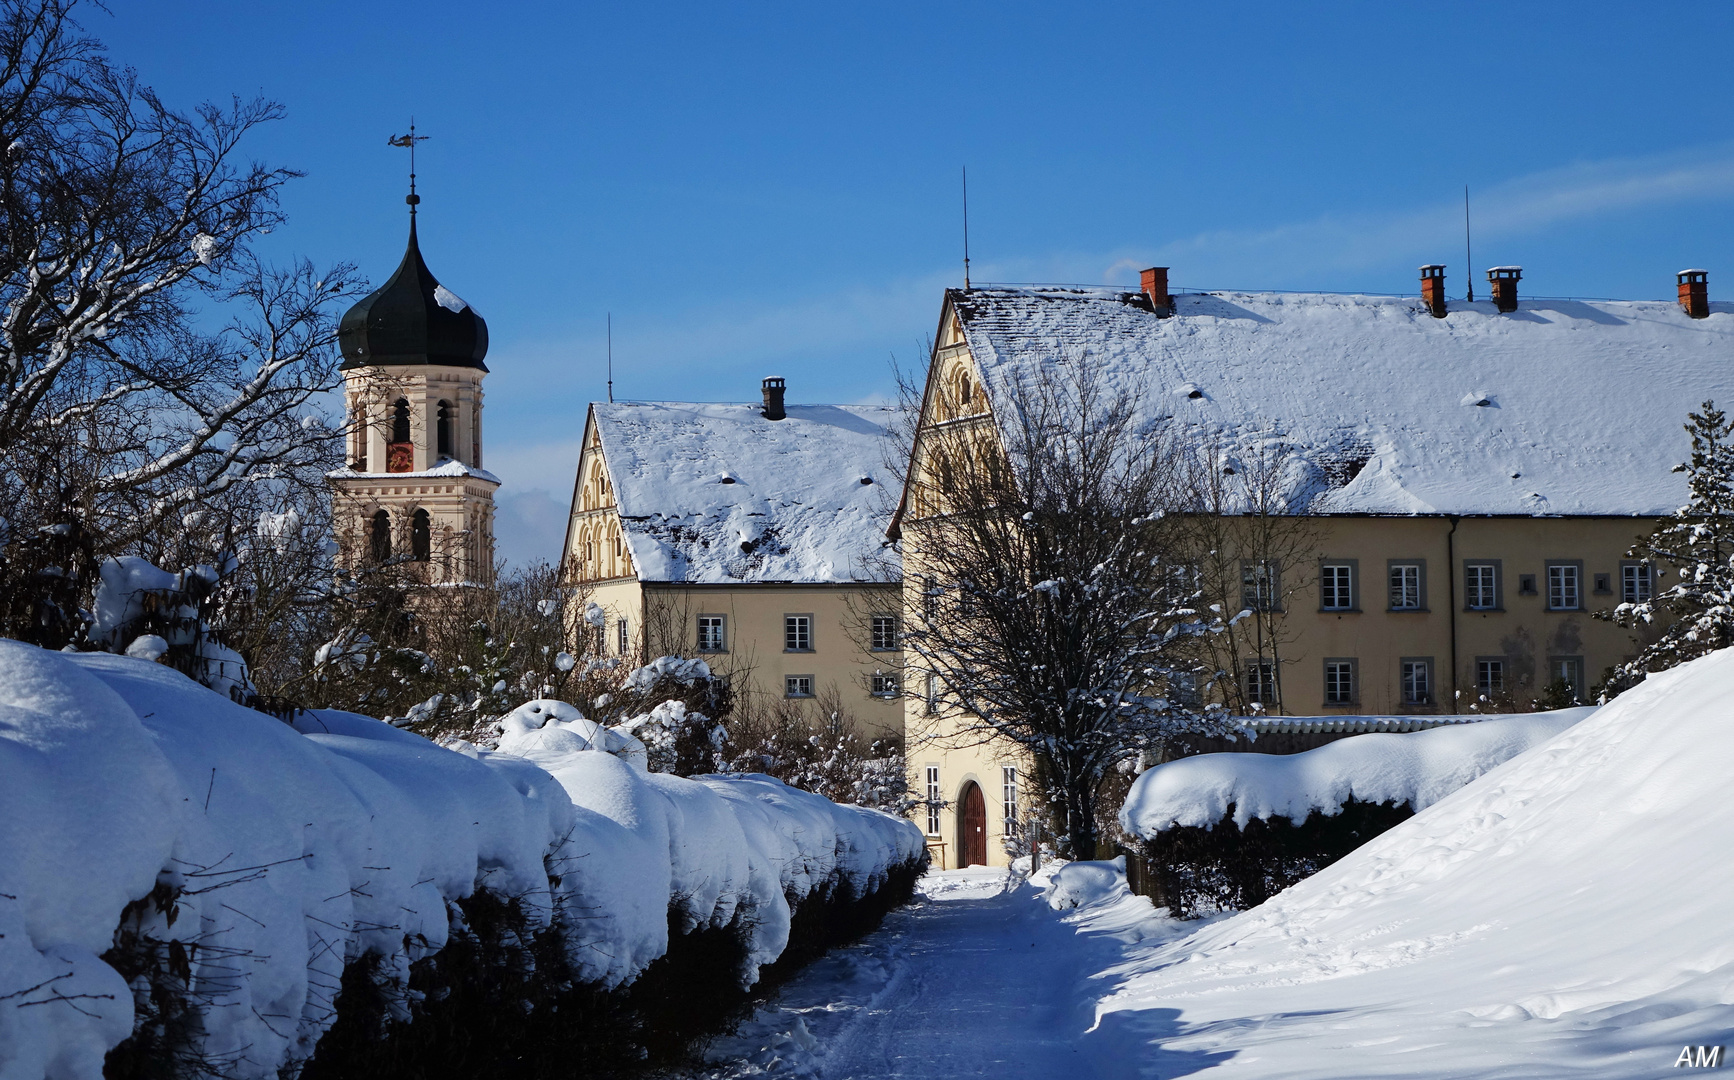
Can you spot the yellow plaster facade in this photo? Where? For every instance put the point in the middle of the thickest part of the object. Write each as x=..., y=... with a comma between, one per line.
x=745, y=634
x=1492, y=609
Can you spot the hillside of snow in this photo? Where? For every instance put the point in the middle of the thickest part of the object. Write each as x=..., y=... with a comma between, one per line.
x=1565, y=915
x=273, y=855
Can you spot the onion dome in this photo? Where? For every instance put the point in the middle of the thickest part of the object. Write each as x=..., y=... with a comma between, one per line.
x=413, y=319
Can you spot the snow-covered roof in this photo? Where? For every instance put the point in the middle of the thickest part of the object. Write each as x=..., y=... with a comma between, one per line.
x=717, y=493
x=1560, y=407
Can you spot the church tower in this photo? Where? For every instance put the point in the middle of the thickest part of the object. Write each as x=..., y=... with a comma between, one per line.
x=413, y=488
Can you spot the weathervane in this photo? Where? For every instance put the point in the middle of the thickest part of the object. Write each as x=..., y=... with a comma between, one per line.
x=409, y=140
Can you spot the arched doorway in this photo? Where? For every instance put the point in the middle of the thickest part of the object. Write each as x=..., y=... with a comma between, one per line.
x=972, y=828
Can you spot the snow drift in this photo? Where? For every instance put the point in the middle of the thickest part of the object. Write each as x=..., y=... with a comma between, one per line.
x=1418, y=768
x=1563, y=915
x=273, y=856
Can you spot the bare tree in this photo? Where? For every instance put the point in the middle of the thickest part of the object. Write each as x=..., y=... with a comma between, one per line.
x=150, y=363
x=1052, y=601
x=1252, y=552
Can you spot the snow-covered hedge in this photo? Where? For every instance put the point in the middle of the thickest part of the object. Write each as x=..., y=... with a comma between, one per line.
x=1416, y=768
x=260, y=861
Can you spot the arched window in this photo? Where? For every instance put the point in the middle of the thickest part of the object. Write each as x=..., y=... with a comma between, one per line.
x=379, y=537
x=400, y=421
x=421, y=536
x=447, y=443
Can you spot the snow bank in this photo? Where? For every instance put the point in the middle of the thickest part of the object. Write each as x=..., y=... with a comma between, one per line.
x=1418, y=768
x=1563, y=915
x=289, y=852
x=1082, y=884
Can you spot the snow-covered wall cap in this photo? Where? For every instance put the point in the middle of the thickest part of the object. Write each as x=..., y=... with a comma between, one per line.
x=1586, y=399
x=447, y=468
x=716, y=493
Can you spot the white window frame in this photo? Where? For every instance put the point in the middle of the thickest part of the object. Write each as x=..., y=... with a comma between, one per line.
x=622, y=635
x=934, y=802
x=1340, y=680
x=1564, y=582
x=1489, y=676
x=797, y=633
x=717, y=642
x=1637, y=582
x=1260, y=676
x=797, y=686
x=1568, y=669
x=1009, y=799
x=931, y=694
x=1337, y=586
x=884, y=631
x=1415, y=680
x=1406, y=580
x=1260, y=585
x=1476, y=591
x=883, y=685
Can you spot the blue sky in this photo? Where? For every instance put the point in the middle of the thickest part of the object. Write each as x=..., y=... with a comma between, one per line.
x=773, y=189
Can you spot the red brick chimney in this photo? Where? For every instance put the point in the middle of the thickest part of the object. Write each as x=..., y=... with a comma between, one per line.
x=1433, y=289
x=1504, y=281
x=1155, y=284
x=1695, y=293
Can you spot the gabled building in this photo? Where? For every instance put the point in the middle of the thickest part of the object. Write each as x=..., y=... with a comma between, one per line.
x=750, y=535
x=1470, y=476
x=414, y=483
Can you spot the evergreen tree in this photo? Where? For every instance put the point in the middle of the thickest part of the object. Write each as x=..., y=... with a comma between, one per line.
x=1696, y=610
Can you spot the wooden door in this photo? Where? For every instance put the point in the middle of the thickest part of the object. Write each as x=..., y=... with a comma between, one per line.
x=972, y=845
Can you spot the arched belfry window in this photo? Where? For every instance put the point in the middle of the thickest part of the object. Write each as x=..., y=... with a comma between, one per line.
x=447, y=443
x=400, y=452
x=421, y=536
x=379, y=537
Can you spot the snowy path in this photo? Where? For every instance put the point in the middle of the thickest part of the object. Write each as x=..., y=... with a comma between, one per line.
x=974, y=979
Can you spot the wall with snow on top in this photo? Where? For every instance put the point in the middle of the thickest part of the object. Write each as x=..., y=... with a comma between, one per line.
x=1418, y=768
x=293, y=851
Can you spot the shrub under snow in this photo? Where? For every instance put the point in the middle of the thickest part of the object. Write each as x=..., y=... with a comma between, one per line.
x=254, y=862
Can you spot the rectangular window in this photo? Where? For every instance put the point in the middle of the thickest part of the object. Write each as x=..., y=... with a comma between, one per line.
x=1258, y=585
x=1567, y=670
x=1481, y=586
x=622, y=635
x=933, y=800
x=1336, y=587
x=929, y=600
x=884, y=685
x=1417, y=675
x=1406, y=578
x=797, y=686
x=1009, y=794
x=932, y=693
x=712, y=633
x=1339, y=682
x=599, y=640
x=797, y=633
x=1261, y=682
x=1635, y=582
x=1490, y=676
x=884, y=632
x=1564, y=587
